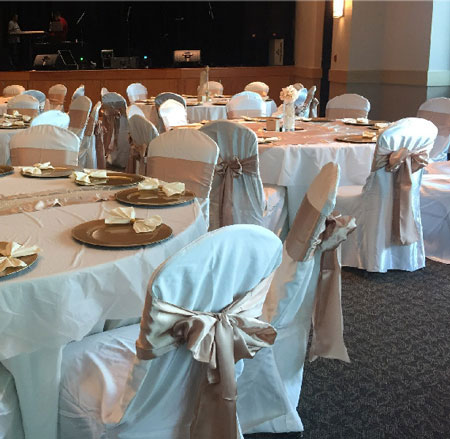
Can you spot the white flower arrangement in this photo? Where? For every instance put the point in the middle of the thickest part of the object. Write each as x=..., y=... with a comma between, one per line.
x=289, y=94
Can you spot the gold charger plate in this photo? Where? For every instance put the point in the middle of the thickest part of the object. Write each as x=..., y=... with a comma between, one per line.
x=15, y=127
x=193, y=104
x=29, y=260
x=114, y=179
x=57, y=172
x=222, y=104
x=99, y=234
x=318, y=119
x=356, y=139
x=6, y=170
x=154, y=197
x=370, y=123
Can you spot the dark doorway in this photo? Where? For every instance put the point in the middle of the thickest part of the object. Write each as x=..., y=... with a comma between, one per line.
x=326, y=56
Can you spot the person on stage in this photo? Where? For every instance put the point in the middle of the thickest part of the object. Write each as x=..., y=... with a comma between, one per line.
x=14, y=41
x=59, y=27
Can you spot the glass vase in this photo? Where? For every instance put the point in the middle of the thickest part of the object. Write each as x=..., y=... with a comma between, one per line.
x=288, y=116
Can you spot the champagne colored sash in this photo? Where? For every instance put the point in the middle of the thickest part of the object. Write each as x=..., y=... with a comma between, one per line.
x=196, y=175
x=339, y=113
x=137, y=158
x=237, y=114
x=77, y=119
x=99, y=145
x=403, y=163
x=56, y=99
x=32, y=112
x=139, y=97
x=217, y=339
x=29, y=156
x=229, y=170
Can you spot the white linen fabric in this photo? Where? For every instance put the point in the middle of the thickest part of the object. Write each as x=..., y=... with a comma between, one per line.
x=155, y=399
x=70, y=289
x=435, y=211
x=52, y=117
x=44, y=143
x=13, y=90
x=87, y=158
x=246, y=103
x=79, y=91
x=437, y=110
x=258, y=87
x=39, y=95
x=79, y=110
x=103, y=91
x=10, y=418
x=215, y=88
x=24, y=104
x=160, y=99
x=372, y=247
x=134, y=110
x=136, y=92
x=56, y=95
x=172, y=113
x=347, y=105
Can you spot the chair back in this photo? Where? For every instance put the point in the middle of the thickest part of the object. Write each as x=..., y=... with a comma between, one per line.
x=103, y=91
x=215, y=88
x=38, y=95
x=437, y=110
x=172, y=113
x=56, y=95
x=79, y=111
x=136, y=92
x=79, y=91
x=52, y=117
x=237, y=194
x=160, y=99
x=24, y=104
x=13, y=90
x=44, y=143
x=347, y=105
x=183, y=155
x=134, y=110
x=258, y=87
x=246, y=103
x=87, y=158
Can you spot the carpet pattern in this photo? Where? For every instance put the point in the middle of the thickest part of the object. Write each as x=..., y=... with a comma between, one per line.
x=397, y=331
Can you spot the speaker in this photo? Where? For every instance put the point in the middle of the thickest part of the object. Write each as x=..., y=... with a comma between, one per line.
x=46, y=62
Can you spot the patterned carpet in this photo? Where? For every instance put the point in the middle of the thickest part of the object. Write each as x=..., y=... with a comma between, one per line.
x=397, y=331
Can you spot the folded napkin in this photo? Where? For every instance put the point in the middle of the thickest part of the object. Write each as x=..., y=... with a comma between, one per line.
x=37, y=168
x=381, y=125
x=125, y=215
x=12, y=252
x=19, y=123
x=86, y=176
x=26, y=118
x=172, y=188
x=370, y=134
x=268, y=139
x=304, y=119
x=348, y=120
x=362, y=120
x=6, y=123
x=148, y=184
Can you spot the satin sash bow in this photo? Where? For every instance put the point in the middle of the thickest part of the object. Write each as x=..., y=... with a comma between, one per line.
x=217, y=339
x=229, y=170
x=137, y=159
x=403, y=163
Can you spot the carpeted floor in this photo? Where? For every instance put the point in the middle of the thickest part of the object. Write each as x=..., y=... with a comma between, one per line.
x=397, y=331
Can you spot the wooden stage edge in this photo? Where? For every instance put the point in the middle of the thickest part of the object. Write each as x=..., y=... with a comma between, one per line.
x=180, y=80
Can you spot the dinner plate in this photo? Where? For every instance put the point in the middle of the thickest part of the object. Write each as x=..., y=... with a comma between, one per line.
x=29, y=260
x=153, y=197
x=15, y=127
x=99, y=234
x=220, y=103
x=114, y=179
x=57, y=172
x=6, y=170
x=356, y=139
x=370, y=123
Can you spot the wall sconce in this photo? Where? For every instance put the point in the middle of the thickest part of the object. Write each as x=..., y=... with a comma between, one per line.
x=338, y=8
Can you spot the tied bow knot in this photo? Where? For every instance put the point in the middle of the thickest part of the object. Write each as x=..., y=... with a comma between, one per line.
x=397, y=158
x=234, y=166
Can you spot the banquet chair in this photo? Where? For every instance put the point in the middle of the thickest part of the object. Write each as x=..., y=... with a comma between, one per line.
x=52, y=117
x=136, y=92
x=387, y=207
x=39, y=96
x=160, y=99
x=87, y=157
x=142, y=132
x=305, y=109
x=155, y=387
x=56, y=95
x=437, y=110
x=306, y=289
x=44, y=143
x=79, y=91
x=347, y=105
x=115, y=126
x=258, y=87
x=134, y=110
x=103, y=91
x=13, y=90
x=172, y=114
x=313, y=107
x=79, y=110
x=237, y=193
x=215, y=88
x=10, y=418
x=24, y=104
x=246, y=103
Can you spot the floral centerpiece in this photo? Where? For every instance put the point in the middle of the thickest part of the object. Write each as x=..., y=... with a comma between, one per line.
x=289, y=95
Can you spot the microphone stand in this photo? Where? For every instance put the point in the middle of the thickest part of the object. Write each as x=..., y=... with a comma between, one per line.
x=81, y=27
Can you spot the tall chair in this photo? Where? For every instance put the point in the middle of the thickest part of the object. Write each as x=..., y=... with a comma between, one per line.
x=39, y=96
x=24, y=104
x=56, y=96
x=134, y=110
x=13, y=90
x=347, y=105
x=215, y=88
x=79, y=111
x=79, y=91
x=246, y=103
x=172, y=114
x=136, y=92
x=87, y=157
x=258, y=87
x=160, y=99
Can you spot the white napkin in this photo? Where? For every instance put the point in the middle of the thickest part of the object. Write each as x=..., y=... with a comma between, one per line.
x=348, y=120
x=381, y=125
x=125, y=215
x=362, y=120
x=86, y=176
x=370, y=134
x=148, y=184
x=172, y=188
x=12, y=251
x=6, y=123
x=268, y=139
x=26, y=118
x=37, y=168
x=19, y=123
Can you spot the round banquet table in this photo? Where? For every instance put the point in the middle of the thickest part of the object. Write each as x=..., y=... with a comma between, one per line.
x=68, y=291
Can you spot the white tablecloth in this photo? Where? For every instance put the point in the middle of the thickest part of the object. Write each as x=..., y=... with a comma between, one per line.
x=68, y=291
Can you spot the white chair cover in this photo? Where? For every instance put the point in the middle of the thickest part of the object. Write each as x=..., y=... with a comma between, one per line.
x=136, y=92
x=246, y=103
x=24, y=104
x=142, y=132
x=313, y=107
x=10, y=418
x=134, y=110
x=56, y=95
x=304, y=110
x=87, y=157
x=79, y=110
x=115, y=126
x=269, y=389
x=103, y=91
x=386, y=240
x=215, y=88
x=258, y=87
x=160, y=99
x=106, y=392
x=52, y=117
x=435, y=211
x=79, y=91
x=172, y=113
x=44, y=143
x=39, y=96
x=437, y=110
x=347, y=105
x=13, y=90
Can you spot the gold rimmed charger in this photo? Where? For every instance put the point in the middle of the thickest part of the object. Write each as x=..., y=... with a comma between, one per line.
x=99, y=234
x=193, y=104
x=14, y=127
x=356, y=139
x=6, y=170
x=113, y=179
x=56, y=172
x=29, y=260
x=318, y=119
x=153, y=197
x=369, y=123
